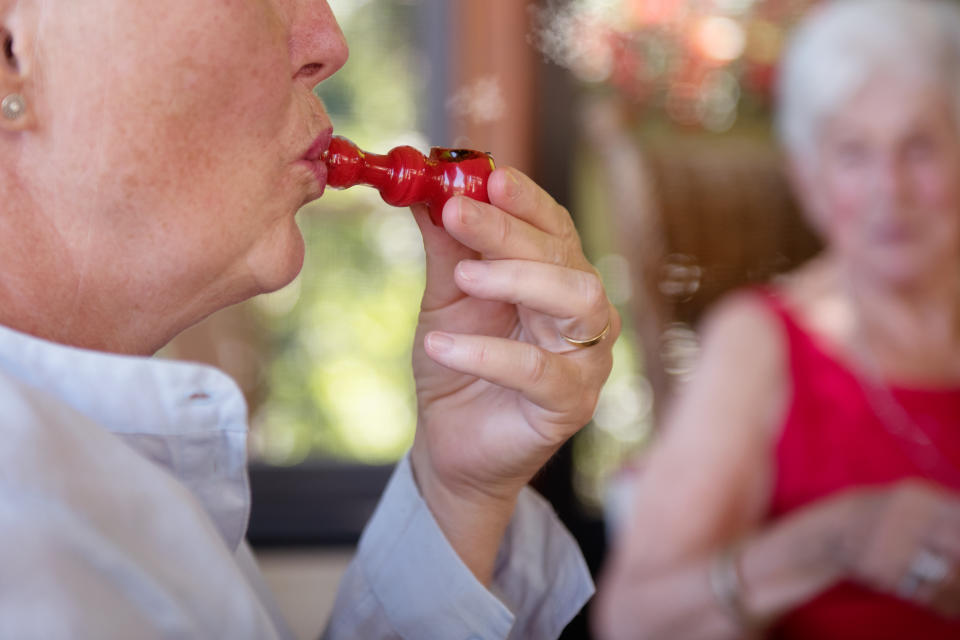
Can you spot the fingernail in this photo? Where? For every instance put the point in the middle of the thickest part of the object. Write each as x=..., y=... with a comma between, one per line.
x=440, y=342
x=469, y=212
x=470, y=270
x=512, y=186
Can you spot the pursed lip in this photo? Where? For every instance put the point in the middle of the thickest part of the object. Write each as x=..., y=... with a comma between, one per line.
x=894, y=233
x=320, y=145
x=313, y=158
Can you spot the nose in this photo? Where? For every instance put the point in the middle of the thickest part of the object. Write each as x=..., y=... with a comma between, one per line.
x=891, y=179
x=317, y=45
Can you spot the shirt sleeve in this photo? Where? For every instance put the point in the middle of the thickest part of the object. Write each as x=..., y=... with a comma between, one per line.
x=406, y=581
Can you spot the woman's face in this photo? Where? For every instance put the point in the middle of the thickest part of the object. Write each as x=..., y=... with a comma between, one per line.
x=886, y=188
x=170, y=137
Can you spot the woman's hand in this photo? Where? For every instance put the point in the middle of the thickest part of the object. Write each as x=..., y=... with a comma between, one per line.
x=908, y=544
x=498, y=388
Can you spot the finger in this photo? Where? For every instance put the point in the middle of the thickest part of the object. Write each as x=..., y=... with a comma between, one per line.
x=521, y=197
x=443, y=253
x=576, y=299
x=553, y=382
x=497, y=235
x=944, y=536
x=943, y=540
x=945, y=544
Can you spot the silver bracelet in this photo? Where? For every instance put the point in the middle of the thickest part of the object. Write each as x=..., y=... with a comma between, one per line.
x=727, y=586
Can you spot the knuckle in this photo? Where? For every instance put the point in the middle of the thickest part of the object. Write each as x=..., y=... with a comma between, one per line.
x=558, y=252
x=569, y=230
x=915, y=495
x=504, y=229
x=604, y=367
x=616, y=323
x=913, y=486
x=512, y=284
x=588, y=407
x=514, y=271
x=481, y=354
x=592, y=292
x=535, y=198
x=590, y=401
x=537, y=366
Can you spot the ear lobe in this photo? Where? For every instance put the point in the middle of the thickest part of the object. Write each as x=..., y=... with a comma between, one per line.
x=15, y=112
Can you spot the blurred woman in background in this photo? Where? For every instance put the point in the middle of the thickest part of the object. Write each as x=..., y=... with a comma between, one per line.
x=807, y=482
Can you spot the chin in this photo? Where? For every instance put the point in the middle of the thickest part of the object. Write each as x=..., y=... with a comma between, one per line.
x=276, y=263
x=908, y=270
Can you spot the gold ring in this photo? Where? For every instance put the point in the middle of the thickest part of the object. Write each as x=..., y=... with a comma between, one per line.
x=590, y=341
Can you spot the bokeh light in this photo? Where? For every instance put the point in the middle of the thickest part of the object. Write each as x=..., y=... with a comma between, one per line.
x=693, y=61
x=720, y=38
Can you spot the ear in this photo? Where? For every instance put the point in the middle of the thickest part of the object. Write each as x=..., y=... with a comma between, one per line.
x=14, y=67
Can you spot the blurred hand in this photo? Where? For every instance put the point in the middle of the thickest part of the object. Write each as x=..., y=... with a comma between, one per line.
x=912, y=525
x=498, y=388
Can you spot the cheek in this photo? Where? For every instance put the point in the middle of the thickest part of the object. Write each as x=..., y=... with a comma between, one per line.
x=936, y=197
x=213, y=103
x=936, y=187
x=150, y=143
x=232, y=93
x=846, y=203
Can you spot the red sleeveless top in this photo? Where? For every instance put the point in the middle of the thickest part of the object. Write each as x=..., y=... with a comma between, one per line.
x=834, y=439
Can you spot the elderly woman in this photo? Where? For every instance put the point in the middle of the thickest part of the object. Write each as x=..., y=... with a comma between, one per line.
x=152, y=158
x=807, y=482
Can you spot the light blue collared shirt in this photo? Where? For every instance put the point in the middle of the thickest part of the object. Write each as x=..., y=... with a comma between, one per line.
x=124, y=503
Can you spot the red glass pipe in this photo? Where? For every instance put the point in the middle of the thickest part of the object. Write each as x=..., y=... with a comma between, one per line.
x=404, y=176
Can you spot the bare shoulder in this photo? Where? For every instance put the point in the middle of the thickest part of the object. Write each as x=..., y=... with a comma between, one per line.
x=745, y=325
x=741, y=382
x=712, y=453
x=742, y=333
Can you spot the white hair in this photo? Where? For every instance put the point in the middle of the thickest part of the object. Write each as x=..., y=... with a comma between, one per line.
x=844, y=44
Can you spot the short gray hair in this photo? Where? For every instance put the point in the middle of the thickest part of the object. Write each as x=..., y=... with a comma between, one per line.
x=844, y=44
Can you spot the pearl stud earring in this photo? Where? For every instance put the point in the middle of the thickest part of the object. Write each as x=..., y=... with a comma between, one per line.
x=13, y=106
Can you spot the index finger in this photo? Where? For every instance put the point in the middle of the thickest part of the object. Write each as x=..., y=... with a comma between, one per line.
x=522, y=198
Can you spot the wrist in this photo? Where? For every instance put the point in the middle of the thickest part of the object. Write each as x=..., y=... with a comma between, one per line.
x=729, y=590
x=859, y=512
x=805, y=553
x=473, y=520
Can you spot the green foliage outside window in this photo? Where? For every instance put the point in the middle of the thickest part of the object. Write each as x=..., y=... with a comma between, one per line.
x=339, y=380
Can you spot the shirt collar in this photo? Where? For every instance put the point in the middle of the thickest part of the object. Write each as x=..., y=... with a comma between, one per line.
x=190, y=419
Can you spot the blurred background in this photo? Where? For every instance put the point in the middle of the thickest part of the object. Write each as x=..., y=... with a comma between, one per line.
x=648, y=119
